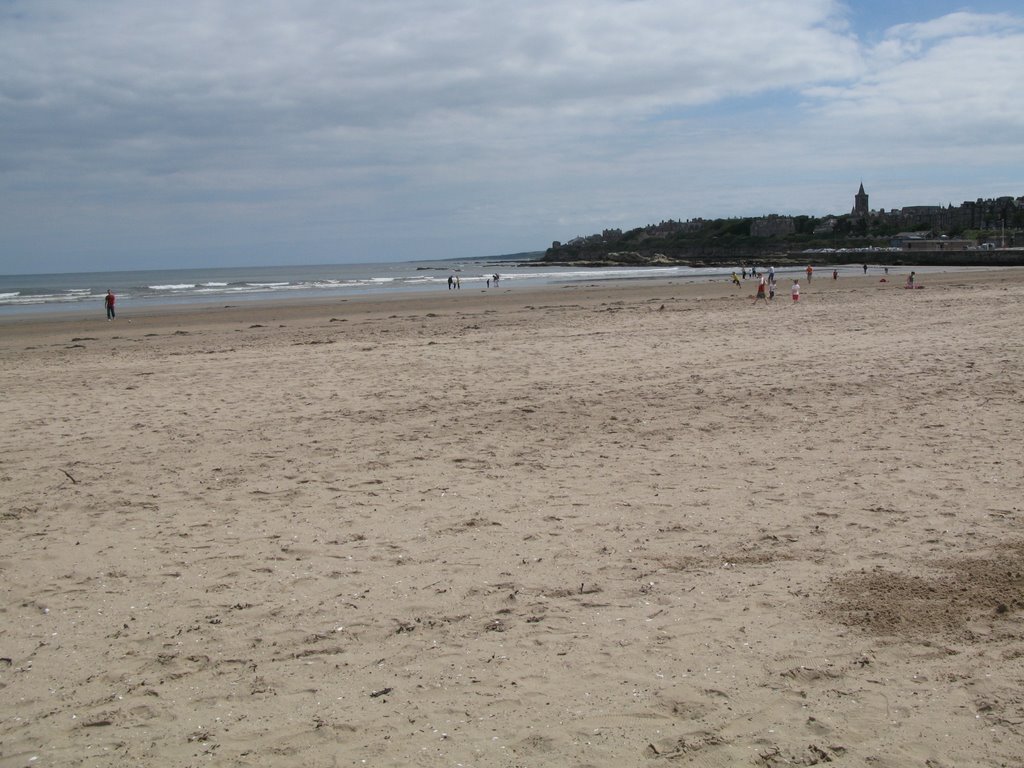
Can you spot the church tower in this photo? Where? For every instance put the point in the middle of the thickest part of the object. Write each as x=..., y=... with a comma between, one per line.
x=860, y=203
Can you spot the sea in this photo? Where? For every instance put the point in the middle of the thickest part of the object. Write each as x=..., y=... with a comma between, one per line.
x=145, y=288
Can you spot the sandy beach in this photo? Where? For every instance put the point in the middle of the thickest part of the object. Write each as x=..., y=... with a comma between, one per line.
x=618, y=525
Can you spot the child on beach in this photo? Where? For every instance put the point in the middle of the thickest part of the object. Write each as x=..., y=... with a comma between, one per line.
x=760, y=290
x=795, y=291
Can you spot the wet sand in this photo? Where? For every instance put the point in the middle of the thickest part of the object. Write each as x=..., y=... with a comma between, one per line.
x=577, y=526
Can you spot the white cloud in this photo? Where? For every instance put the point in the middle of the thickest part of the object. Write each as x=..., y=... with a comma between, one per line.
x=197, y=66
x=492, y=119
x=940, y=84
x=959, y=24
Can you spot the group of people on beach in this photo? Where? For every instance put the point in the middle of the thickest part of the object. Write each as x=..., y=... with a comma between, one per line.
x=766, y=285
x=455, y=283
x=753, y=273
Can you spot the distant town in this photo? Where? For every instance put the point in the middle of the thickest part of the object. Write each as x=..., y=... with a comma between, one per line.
x=983, y=231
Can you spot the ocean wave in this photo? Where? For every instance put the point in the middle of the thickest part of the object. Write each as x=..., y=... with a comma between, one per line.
x=329, y=284
x=243, y=288
x=17, y=298
x=173, y=287
x=222, y=289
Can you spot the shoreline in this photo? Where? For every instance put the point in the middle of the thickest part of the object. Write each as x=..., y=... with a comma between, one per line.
x=468, y=299
x=60, y=294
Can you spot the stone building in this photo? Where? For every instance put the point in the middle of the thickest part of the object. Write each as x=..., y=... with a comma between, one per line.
x=773, y=225
x=860, y=203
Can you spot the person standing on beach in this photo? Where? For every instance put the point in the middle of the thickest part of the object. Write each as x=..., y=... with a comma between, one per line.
x=760, y=290
x=810, y=272
x=771, y=288
x=771, y=274
x=451, y=282
x=835, y=274
x=910, y=280
x=795, y=291
x=108, y=302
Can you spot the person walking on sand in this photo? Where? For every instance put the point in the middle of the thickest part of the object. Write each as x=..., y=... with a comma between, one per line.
x=795, y=291
x=735, y=279
x=760, y=290
x=810, y=272
x=910, y=280
x=771, y=288
x=451, y=282
x=108, y=302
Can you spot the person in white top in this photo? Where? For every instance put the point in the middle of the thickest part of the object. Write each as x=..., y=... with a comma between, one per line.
x=795, y=290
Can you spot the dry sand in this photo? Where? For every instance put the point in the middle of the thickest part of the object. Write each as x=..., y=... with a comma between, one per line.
x=596, y=526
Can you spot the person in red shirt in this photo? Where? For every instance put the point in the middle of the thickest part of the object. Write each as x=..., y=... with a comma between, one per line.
x=109, y=303
x=760, y=291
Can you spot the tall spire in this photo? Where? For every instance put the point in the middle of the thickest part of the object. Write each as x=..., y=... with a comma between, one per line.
x=860, y=203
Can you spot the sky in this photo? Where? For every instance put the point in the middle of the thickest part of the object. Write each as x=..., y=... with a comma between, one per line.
x=143, y=134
